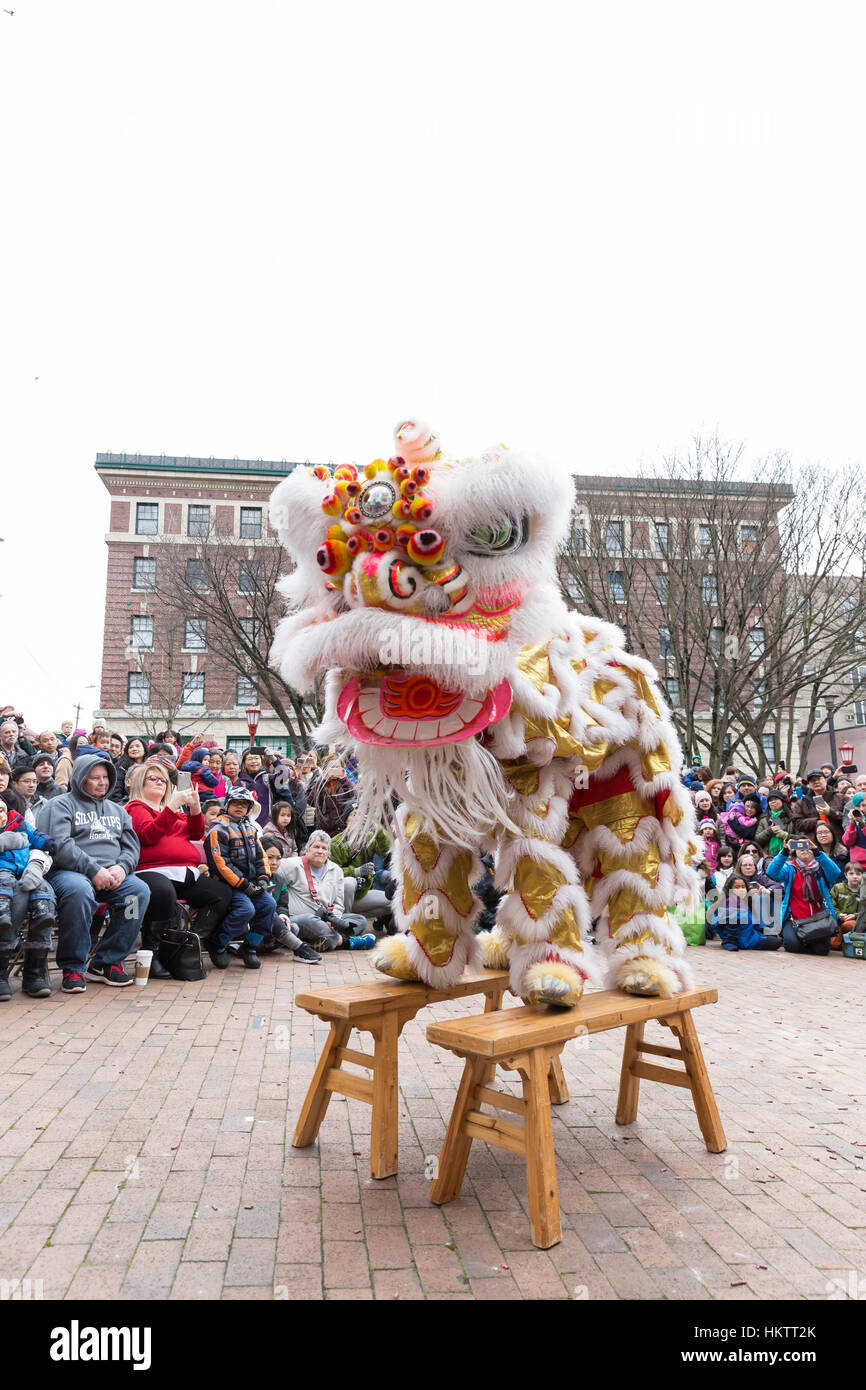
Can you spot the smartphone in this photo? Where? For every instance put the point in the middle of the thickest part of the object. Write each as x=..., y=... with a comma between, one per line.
x=184, y=781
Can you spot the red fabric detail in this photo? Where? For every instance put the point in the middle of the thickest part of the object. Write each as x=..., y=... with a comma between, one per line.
x=598, y=790
x=661, y=798
x=165, y=837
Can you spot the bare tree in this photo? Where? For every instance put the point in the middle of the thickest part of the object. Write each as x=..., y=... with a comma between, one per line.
x=732, y=588
x=231, y=586
x=162, y=666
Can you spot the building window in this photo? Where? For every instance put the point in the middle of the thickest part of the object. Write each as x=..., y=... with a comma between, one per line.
x=245, y=693
x=137, y=688
x=860, y=711
x=142, y=632
x=666, y=646
x=146, y=518
x=192, y=690
x=661, y=585
x=705, y=539
x=196, y=575
x=143, y=574
x=249, y=577
x=672, y=691
x=251, y=523
x=748, y=537
x=760, y=698
x=757, y=643
x=709, y=589
x=858, y=676
x=661, y=537
x=717, y=637
x=252, y=630
x=616, y=586
x=614, y=538
x=198, y=521
x=195, y=634
x=768, y=743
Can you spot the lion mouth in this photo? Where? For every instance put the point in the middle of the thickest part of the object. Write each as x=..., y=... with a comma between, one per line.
x=409, y=710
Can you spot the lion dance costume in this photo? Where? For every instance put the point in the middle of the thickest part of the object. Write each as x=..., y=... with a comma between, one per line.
x=425, y=586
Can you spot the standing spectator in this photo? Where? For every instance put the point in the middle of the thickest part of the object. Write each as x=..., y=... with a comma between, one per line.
x=170, y=828
x=846, y=901
x=817, y=803
x=231, y=769
x=281, y=828
x=772, y=829
x=709, y=833
x=96, y=851
x=205, y=766
x=65, y=730
x=331, y=798
x=806, y=879
x=825, y=840
x=24, y=783
x=11, y=800
x=133, y=755
x=47, y=742
x=260, y=774
x=854, y=834
x=715, y=788
x=13, y=751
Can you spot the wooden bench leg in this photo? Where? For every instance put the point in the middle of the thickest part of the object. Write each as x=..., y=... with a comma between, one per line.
x=629, y=1085
x=702, y=1092
x=542, y=1185
x=557, y=1084
x=383, y=1134
x=455, y=1151
x=317, y=1098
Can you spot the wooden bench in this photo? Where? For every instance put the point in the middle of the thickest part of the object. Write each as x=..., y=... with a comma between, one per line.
x=382, y=1009
x=528, y=1040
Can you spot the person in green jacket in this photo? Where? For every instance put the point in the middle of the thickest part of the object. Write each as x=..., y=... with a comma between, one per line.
x=365, y=869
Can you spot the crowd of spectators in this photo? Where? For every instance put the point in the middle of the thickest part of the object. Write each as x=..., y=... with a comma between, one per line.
x=106, y=838
x=783, y=856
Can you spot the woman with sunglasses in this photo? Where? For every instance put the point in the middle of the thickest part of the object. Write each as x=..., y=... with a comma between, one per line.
x=170, y=828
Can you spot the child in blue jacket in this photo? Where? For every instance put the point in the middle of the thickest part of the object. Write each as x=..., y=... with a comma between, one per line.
x=24, y=859
x=735, y=922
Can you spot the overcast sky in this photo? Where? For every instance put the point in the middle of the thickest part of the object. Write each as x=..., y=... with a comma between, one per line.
x=272, y=228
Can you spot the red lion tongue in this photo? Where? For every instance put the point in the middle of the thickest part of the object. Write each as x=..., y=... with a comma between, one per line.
x=402, y=710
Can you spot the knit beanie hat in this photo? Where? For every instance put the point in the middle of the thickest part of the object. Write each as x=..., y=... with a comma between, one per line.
x=40, y=758
x=707, y=824
x=856, y=798
x=745, y=782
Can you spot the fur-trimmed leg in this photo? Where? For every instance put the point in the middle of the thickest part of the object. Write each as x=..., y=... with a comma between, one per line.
x=494, y=949
x=644, y=975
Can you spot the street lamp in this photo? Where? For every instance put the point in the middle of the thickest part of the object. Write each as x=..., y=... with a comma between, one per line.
x=254, y=714
x=846, y=753
x=830, y=702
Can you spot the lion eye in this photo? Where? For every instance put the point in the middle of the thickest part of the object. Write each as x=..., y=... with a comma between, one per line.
x=500, y=538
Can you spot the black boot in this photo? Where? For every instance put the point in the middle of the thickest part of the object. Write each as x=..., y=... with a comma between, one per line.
x=249, y=957
x=151, y=935
x=7, y=955
x=42, y=918
x=5, y=916
x=35, y=980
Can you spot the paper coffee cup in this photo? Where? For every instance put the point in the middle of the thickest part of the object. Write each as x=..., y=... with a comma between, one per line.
x=142, y=966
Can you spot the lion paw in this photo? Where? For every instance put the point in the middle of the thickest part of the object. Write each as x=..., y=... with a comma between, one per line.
x=646, y=975
x=494, y=949
x=552, y=982
x=392, y=959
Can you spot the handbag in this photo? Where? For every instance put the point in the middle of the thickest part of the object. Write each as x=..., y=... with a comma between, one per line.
x=179, y=952
x=820, y=927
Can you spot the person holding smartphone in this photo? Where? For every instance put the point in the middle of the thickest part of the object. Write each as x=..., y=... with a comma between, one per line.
x=817, y=803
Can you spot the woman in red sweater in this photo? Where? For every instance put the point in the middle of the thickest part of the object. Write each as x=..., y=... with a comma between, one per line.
x=170, y=829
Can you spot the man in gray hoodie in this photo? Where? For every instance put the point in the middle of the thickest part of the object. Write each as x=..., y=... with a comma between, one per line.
x=94, y=861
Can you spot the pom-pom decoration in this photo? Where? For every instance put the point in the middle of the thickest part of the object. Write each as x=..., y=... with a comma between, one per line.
x=333, y=557
x=426, y=547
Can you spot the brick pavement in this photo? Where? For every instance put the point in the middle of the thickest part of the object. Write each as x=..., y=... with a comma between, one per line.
x=143, y=1152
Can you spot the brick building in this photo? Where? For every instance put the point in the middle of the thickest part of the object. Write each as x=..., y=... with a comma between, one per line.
x=156, y=667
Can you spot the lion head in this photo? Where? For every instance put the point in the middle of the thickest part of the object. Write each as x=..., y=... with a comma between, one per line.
x=418, y=578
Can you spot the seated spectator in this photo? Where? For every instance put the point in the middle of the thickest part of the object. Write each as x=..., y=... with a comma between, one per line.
x=234, y=856
x=724, y=867
x=279, y=892
x=164, y=754
x=316, y=899
x=65, y=759
x=96, y=851
x=331, y=797
x=735, y=921
x=11, y=800
x=365, y=869
x=308, y=768
x=772, y=829
x=806, y=878
x=115, y=746
x=46, y=787
x=170, y=829
x=24, y=783
x=24, y=857
x=210, y=809
x=825, y=840
x=281, y=828
x=845, y=897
